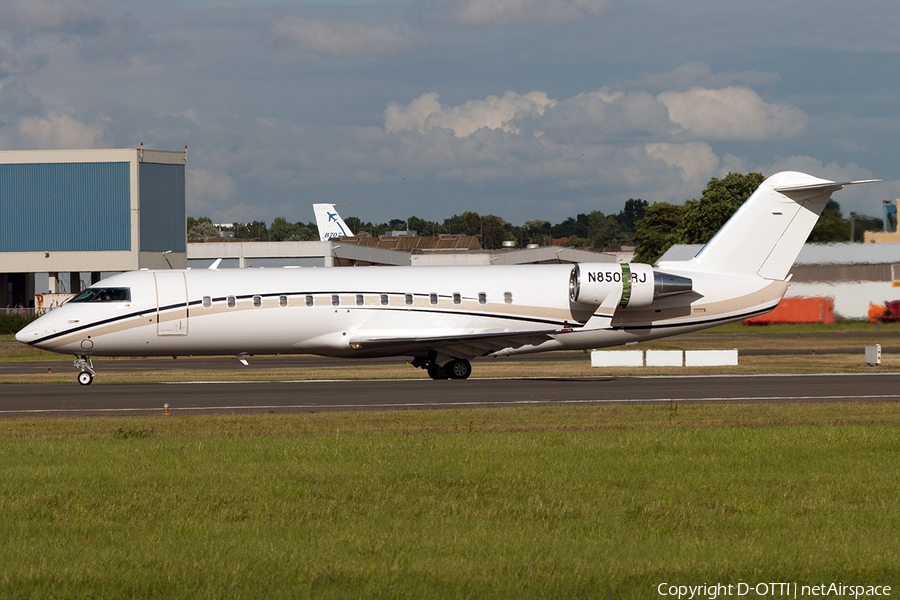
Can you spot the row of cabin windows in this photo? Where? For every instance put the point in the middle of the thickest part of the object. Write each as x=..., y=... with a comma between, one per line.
x=231, y=301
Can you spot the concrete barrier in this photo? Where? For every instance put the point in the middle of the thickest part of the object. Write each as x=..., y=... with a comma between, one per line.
x=710, y=358
x=665, y=358
x=617, y=358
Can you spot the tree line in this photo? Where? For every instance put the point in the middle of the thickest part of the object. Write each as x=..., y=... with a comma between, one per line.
x=592, y=230
x=650, y=228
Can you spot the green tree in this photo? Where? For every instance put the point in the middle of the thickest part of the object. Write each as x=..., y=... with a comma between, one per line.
x=202, y=228
x=468, y=223
x=577, y=242
x=721, y=199
x=281, y=230
x=424, y=227
x=860, y=224
x=253, y=230
x=537, y=232
x=604, y=230
x=191, y=222
x=495, y=232
x=831, y=226
x=631, y=213
x=657, y=231
x=578, y=227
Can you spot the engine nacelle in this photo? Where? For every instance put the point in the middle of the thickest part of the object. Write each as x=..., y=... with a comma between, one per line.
x=637, y=285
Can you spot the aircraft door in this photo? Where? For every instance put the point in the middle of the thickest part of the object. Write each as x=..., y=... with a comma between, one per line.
x=171, y=303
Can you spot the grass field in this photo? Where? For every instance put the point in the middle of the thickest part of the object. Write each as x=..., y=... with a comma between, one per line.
x=590, y=502
x=537, y=502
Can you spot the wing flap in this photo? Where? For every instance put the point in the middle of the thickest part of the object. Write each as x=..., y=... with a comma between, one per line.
x=457, y=345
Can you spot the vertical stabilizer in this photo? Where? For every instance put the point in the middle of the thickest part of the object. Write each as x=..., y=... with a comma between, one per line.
x=766, y=234
x=330, y=223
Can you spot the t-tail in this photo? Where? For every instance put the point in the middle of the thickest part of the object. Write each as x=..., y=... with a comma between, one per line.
x=330, y=223
x=766, y=234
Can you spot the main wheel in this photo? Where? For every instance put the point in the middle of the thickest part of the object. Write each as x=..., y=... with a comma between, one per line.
x=436, y=371
x=460, y=369
x=85, y=378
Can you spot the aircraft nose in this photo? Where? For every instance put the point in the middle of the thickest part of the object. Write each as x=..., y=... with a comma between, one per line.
x=34, y=331
x=27, y=333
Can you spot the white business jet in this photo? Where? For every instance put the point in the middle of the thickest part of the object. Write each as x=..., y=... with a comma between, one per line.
x=444, y=317
x=330, y=223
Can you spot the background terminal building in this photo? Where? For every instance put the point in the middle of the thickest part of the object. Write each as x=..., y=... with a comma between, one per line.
x=67, y=212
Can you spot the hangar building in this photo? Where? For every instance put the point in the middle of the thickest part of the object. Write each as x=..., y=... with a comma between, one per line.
x=75, y=211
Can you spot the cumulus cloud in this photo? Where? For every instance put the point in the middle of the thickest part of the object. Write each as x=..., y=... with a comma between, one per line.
x=733, y=113
x=340, y=39
x=65, y=17
x=692, y=75
x=207, y=188
x=807, y=164
x=425, y=112
x=696, y=161
x=496, y=13
x=17, y=101
x=605, y=114
x=58, y=131
x=14, y=62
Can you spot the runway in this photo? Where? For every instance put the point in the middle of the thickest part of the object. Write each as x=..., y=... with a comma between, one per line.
x=18, y=400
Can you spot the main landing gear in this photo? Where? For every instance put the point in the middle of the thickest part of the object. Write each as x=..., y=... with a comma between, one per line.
x=455, y=369
x=86, y=366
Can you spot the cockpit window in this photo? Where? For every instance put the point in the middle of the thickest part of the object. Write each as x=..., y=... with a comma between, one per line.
x=103, y=295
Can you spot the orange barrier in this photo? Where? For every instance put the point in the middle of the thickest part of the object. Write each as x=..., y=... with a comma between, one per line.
x=884, y=313
x=797, y=310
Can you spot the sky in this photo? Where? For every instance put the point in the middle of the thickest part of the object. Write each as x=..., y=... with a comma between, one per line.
x=526, y=109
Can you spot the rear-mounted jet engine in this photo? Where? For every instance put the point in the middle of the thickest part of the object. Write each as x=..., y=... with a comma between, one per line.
x=636, y=284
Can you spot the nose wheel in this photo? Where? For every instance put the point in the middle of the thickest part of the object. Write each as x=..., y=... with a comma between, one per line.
x=86, y=366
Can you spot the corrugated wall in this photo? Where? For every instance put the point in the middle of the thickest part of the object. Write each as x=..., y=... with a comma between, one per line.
x=64, y=207
x=162, y=208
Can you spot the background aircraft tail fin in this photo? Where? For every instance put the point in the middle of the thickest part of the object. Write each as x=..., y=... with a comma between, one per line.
x=766, y=234
x=330, y=223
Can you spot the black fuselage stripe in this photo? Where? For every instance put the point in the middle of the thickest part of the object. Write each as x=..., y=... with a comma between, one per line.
x=153, y=311
x=558, y=323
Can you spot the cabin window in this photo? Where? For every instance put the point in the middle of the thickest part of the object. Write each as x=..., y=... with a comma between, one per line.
x=384, y=299
x=335, y=300
x=207, y=302
x=482, y=298
x=309, y=301
x=507, y=297
x=282, y=301
x=360, y=300
x=103, y=295
x=433, y=298
x=409, y=299
x=457, y=298
x=231, y=301
x=257, y=301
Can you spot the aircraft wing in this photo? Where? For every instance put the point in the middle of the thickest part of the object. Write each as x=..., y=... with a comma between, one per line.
x=455, y=345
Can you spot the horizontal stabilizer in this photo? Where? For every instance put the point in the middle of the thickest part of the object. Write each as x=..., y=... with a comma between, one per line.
x=831, y=186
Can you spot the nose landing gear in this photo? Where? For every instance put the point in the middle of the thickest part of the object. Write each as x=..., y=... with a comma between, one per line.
x=86, y=366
